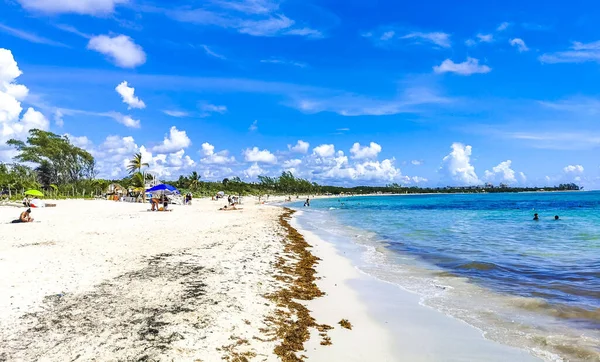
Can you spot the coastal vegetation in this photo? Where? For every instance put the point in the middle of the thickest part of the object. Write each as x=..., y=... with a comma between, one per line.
x=52, y=163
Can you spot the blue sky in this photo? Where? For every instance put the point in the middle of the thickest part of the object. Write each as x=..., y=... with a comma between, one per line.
x=354, y=92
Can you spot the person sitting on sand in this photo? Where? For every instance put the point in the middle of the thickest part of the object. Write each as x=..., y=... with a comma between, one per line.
x=24, y=217
x=229, y=208
x=535, y=217
x=26, y=202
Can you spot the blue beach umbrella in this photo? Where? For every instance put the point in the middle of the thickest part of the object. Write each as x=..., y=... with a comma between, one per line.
x=163, y=188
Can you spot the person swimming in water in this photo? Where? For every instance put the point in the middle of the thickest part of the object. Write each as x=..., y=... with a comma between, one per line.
x=535, y=217
x=556, y=217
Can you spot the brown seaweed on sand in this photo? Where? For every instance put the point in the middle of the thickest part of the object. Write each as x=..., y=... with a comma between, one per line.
x=292, y=321
x=345, y=324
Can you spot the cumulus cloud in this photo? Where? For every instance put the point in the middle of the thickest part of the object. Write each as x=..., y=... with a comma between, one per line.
x=503, y=173
x=260, y=156
x=127, y=121
x=293, y=163
x=361, y=152
x=456, y=166
x=84, y=7
x=120, y=49
x=215, y=158
x=519, y=43
x=114, y=153
x=12, y=124
x=573, y=169
x=324, y=150
x=174, y=141
x=468, y=67
x=128, y=95
x=253, y=171
x=300, y=147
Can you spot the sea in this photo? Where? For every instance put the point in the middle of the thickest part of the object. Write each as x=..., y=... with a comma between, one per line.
x=481, y=258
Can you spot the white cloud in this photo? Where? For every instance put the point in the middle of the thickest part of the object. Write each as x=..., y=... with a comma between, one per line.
x=468, y=67
x=253, y=127
x=300, y=147
x=361, y=152
x=284, y=62
x=256, y=155
x=437, y=38
x=411, y=100
x=307, y=32
x=120, y=49
x=470, y=42
x=11, y=93
x=387, y=35
x=269, y=22
x=208, y=51
x=253, y=171
x=212, y=108
x=573, y=169
x=58, y=118
x=86, y=7
x=217, y=158
x=418, y=179
x=519, y=43
x=456, y=166
x=127, y=121
x=293, y=163
x=416, y=162
x=174, y=141
x=128, y=95
x=523, y=177
x=503, y=173
x=579, y=53
x=503, y=26
x=79, y=141
x=485, y=38
x=30, y=37
x=324, y=150
x=177, y=114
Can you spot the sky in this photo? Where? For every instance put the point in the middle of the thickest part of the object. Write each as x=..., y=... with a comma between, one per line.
x=428, y=93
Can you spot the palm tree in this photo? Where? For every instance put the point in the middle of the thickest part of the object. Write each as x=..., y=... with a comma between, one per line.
x=194, y=180
x=136, y=163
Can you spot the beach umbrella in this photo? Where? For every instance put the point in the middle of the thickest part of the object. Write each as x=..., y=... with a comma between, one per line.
x=163, y=189
x=34, y=193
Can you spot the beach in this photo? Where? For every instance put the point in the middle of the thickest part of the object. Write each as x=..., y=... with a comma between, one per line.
x=103, y=280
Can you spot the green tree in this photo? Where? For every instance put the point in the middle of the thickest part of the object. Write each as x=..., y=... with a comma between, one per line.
x=194, y=180
x=57, y=160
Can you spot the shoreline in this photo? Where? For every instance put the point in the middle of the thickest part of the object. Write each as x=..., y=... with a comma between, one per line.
x=391, y=318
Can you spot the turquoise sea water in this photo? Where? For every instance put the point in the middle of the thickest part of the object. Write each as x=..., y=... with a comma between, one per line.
x=481, y=258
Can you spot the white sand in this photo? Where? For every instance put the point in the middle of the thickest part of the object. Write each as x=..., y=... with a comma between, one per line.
x=108, y=280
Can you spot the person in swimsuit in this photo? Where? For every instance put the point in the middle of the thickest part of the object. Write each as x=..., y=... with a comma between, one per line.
x=24, y=217
x=535, y=217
